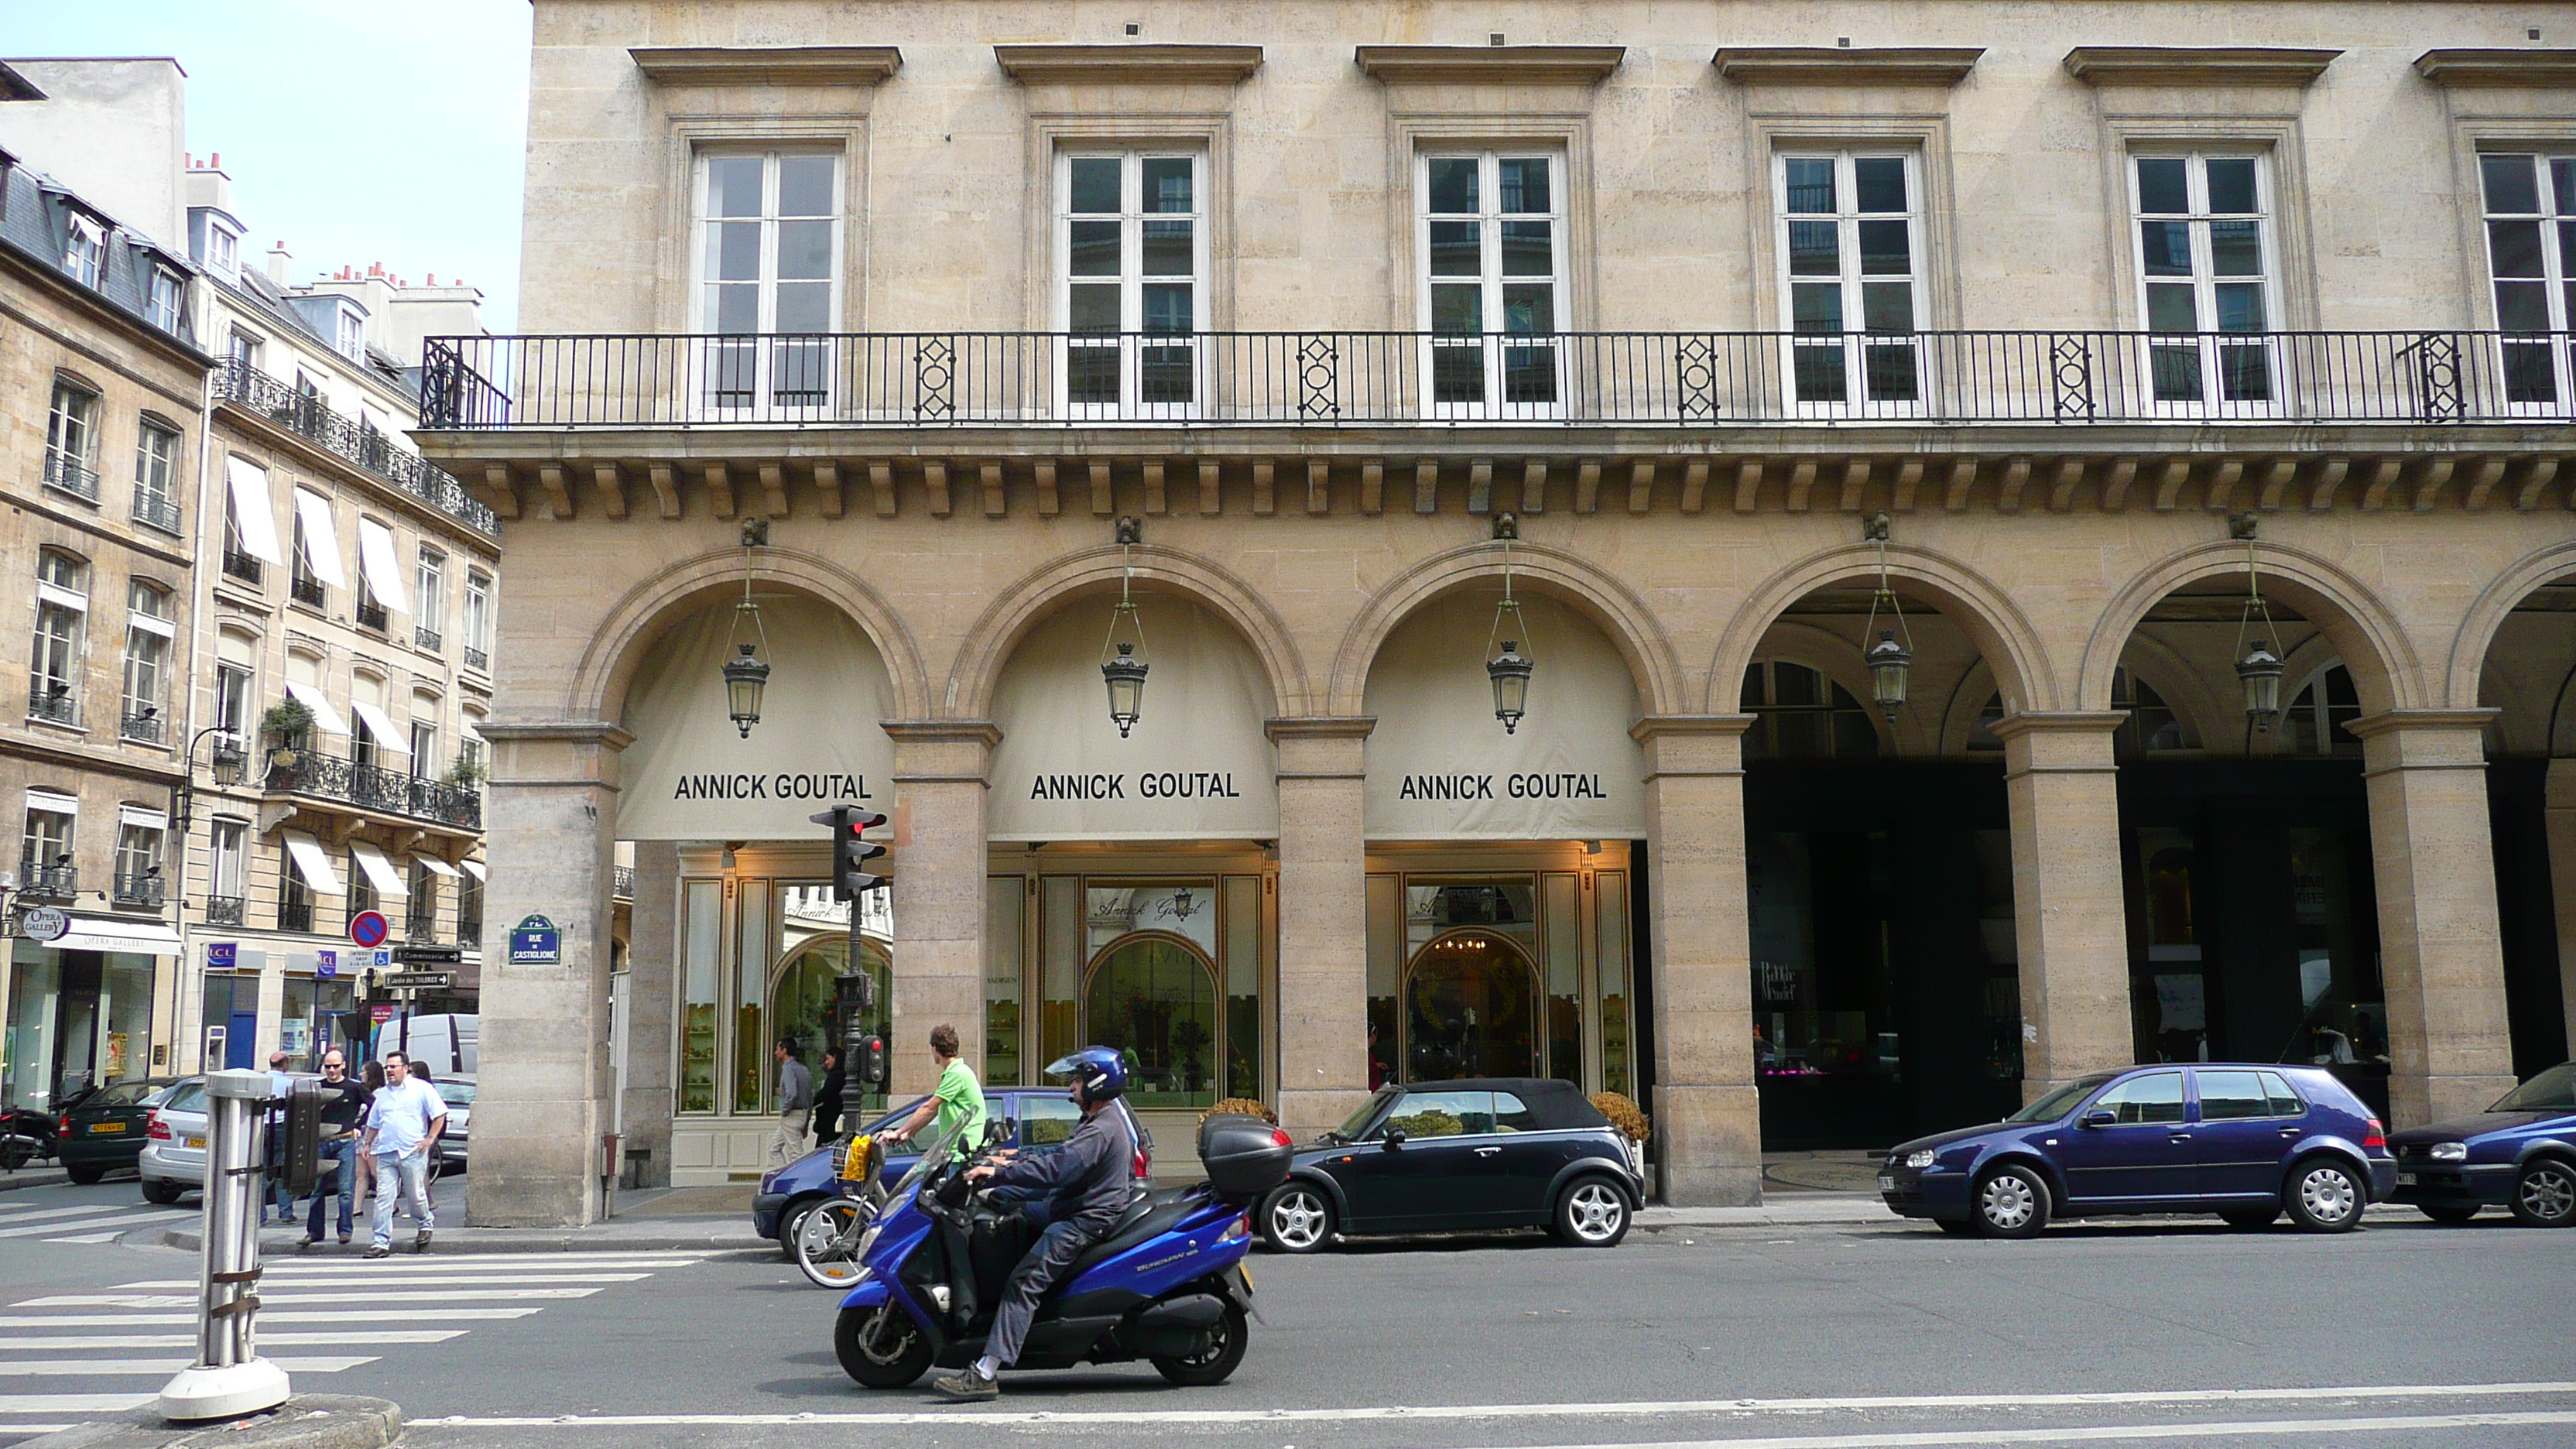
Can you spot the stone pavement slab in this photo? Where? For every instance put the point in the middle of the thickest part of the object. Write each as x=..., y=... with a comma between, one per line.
x=306, y=1421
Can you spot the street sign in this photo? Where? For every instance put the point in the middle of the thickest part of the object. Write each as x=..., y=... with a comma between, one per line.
x=326, y=965
x=429, y=955
x=44, y=923
x=536, y=941
x=221, y=954
x=421, y=980
x=368, y=928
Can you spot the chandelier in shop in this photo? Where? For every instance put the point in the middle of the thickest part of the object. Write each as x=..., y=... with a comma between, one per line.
x=1507, y=669
x=2259, y=666
x=1124, y=671
x=1891, y=657
x=746, y=675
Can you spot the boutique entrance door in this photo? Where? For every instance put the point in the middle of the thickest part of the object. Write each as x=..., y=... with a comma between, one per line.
x=1470, y=1009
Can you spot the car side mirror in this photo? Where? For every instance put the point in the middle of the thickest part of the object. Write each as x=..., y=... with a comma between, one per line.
x=2098, y=1117
x=1395, y=1139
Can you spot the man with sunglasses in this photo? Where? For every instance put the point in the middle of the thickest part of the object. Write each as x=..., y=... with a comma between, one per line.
x=344, y=1106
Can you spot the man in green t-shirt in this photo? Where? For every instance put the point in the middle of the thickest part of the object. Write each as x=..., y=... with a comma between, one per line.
x=955, y=1109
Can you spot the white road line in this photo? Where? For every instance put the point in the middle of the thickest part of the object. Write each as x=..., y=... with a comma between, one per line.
x=70, y=1404
x=640, y=1258
x=1630, y=1409
x=358, y=1278
x=120, y=1224
x=184, y=1340
x=75, y=1367
x=93, y=1209
x=168, y=1300
x=2121, y=1433
x=266, y=1315
x=106, y=1237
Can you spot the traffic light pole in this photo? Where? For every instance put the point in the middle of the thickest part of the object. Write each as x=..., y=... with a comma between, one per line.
x=863, y=1049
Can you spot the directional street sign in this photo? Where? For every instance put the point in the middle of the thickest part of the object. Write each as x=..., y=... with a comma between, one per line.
x=428, y=955
x=421, y=980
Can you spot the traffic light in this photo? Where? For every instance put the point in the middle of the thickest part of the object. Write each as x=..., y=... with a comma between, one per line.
x=302, y=1138
x=851, y=849
x=867, y=1061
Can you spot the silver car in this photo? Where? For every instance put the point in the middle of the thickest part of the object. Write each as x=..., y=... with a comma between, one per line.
x=458, y=1094
x=174, y=1144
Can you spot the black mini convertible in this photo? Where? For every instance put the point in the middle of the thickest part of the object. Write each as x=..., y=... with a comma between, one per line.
x=1482, y=1152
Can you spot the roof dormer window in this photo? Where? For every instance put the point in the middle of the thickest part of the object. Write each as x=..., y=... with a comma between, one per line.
x=85, y=251
x=352, y=340
x=223, y=250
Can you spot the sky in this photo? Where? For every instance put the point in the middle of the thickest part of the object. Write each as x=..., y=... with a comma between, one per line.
x=358, y=131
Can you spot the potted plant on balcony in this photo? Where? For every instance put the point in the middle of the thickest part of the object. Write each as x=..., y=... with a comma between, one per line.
x=466, y=773
x=288, y=726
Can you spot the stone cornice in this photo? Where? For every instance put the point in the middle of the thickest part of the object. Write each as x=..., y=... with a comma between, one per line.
x=943, y=732
x=1490, y=64
x=767, y=65
x=2061, y=722
x=2197, y=65
x=1320, y=727
x=579, y=731
x=1841, y=66
x=2391, y=721
x=2499, y=69
x=1128, y=64
x=1655, y=726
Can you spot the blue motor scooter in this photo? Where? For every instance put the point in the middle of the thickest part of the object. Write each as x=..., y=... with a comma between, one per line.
x=1166, y=1284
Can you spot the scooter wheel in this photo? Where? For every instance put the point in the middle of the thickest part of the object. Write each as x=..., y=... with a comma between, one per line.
x=1214, y=1363
x=882, y=1347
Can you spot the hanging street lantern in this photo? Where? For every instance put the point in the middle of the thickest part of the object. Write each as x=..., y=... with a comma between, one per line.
x=745, y=676
x=2259, y=666
x=1508, y=670
x=1124, y=672
x=1892, y=657
x=229, y=762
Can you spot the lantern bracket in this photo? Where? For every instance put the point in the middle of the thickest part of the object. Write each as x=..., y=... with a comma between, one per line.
x=1506, y=528
x=755, y=533
x=2241, y=526
x=1875, y=529
x=1130, y=532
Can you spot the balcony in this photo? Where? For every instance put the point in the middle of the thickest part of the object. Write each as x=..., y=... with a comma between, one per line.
x=469, y=934
x=476, y=659
x=54, y=704
x=144, y=727
x=310, y=418
x=152, y=510
x=241, y=566
x=48, y=882
x=370, y=787
x=64, y=472
x=139, y=892
x=371, y=615
x=295, y=915
x=426, y=638
x=224, y=910
x=306, y=589
x=1336, y=379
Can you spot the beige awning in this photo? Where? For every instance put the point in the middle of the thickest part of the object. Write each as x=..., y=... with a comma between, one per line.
x=437, y=866
x=380, y=869
x=311, y=862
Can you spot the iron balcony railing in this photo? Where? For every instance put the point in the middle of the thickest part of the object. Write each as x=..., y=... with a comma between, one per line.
x=1339, y=378
x=476, y=659
x=371, y=615
x=427, y=638
x=139, y=890
x=469, y=933
x=223, y=910
x=48, y=882
x=295, y=915
x=53, y=703
x=307, y=416
x=154, y=510
x=306, y=589
x=242, y=566
x=143, y=727
x=65, y=472
x=371, y=787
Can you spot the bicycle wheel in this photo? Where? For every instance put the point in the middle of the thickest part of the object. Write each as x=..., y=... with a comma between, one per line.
x=827, y=1242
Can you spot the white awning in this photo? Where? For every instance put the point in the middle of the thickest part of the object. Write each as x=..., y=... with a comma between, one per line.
x=389, y=736
x=321, y=539
x=474, y=868
x=380, y=870
x=310, y=862
x=151, y=625
x=39, y=798
x=376, y=561
x=134, y=938
x=251, y=515
x=61, y=597
x=437, y=866
x=138, y=815
x=323, y=714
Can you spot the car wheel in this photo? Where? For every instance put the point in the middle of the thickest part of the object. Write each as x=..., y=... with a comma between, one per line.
x=2251, y=1219
x=165, y=1193
x=2545, y=1195
x=85, y=1173
x=1297, y=1218
x=1956, y=1227
x=2011, y=1202
x=1592, y=1213
x=2449, y=1215
x=2324, y=1196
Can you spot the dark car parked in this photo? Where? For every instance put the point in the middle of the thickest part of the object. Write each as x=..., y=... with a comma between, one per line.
x=1492, y=1152
x=2519, y=1153
x=1043, y=1116
x=2244, y=1141
x=104, y=1130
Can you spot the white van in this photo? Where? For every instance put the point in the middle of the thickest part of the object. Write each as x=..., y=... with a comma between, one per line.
x=443, y=1043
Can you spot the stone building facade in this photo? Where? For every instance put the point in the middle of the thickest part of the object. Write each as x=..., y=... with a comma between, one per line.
x=1686, y=353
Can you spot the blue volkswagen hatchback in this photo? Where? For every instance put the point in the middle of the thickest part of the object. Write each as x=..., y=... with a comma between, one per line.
x=2519, y=1153
x=1043, y=1115
x=2244, y=1141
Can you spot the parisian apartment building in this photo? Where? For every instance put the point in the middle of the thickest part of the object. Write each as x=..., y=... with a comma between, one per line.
x=301, y=673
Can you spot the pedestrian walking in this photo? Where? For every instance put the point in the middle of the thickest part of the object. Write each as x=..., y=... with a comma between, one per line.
x=344, y=1110
x=273, y=1142
x=827, y=1097
x=402, y=1131
x=795, y=1104
x=955, y=1111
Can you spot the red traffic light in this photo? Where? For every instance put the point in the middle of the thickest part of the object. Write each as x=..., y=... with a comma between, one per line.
x=862, y=821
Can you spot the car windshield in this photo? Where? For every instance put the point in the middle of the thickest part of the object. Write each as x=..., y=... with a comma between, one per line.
x=2058, y=1103
x=186, y=1097
x=1349, y=1131
x=123, y=1094
x=2552, y=1091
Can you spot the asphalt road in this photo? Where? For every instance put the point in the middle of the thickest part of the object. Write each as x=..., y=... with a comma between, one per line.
x=1821, y=1338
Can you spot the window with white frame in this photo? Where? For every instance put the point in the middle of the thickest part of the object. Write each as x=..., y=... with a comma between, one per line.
x=2206, y=269
x=429, y=611
x=161, y=302
x=1490, y=278
x=1131, y=263
x=71, y=439
x=236, y=688
x=46, y=855
x=767, y=230
x=139, y=836
x=229, y=847
x=243, y=349
x=156, y=474
x=2531, y=257
x=478, y=619
x=62, y=611
x=1849, y=233
x=353, y=334
x=424, y=741
x=148, y=635
x=84, y=249
x=420, y=912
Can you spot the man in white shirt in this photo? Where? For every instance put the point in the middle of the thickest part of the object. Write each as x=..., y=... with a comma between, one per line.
x=402, y=1131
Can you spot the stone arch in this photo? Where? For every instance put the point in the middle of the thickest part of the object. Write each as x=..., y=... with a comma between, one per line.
x=1997, y=626
x=1832, y=656
x=2486, y=615
x=1611, y=606
x=1092, y=573
x=2363, y=629
x=2169, y=672
x=648, y=610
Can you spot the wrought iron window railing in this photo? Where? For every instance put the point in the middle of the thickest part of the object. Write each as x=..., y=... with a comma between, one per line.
x=306, y=589
x=149, y=729
x=371, y=615
x=65, y=472
x=469, y=933
x=53, y=703
x=426, y=637
x=139, y=890
x=48, y=882
x=371, y=787
x=370, y=448
x=223, y=910
x=1344, y=378
x=241, y=566
x=477, y=659
x=295, y=915
x=157, y=511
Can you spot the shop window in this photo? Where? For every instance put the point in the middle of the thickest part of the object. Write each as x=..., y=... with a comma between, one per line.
x=755, y=1067
x=2169, y=994
x=1560, y=896
x=1823, y=970
x=1131, y=248
x=700, y=963
x=1491, y=282
x=2315, y=722
x=1153, y=999
x=1850, y=248
x=2152, y=726
x=1384, y=898
x=2343, y=1013
x=1003, y=899
x=804, y=1000
x=1470, y=1010
x=1799, y=714
x=1061, y=961
x=1610, y=908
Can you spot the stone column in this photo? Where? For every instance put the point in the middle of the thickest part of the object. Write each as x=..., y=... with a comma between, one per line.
x=652, y=981
x=2562, y=882
x=550, y=826
x=940, y=772
x=2433, y=865
x=1323, y=921
x=1707, y=1109
x=2070, y=910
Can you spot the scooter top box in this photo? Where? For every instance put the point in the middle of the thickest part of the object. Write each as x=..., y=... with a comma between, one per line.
x=1244, y=1156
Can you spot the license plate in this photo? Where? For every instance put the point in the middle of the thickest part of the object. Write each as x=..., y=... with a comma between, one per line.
x=196, y=1144
x=2405, y=1179
x=1886, y=1184
x=107, y=1126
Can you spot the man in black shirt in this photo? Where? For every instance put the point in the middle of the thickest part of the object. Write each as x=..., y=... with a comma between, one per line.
x=344, y=1106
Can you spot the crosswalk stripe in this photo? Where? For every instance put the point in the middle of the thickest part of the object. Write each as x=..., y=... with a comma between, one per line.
x=361, y=1278
x=105, y=1367
x=168, y=1300
x=106, y=1237
x=91, y=1208
x=266, y=1315
x=71, y=1404
x=184, y=1340
x=119, y=1224
x=516, y=1262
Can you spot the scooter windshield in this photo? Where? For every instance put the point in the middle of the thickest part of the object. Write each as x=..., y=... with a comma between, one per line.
x=934, y=1151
